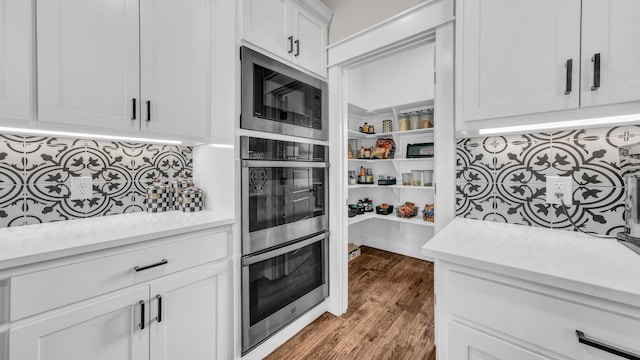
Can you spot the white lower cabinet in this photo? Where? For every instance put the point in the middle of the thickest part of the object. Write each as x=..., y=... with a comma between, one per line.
x=469, y=344
x=106, y=329
x=484, y=315
x=190, y=315
x=174, y=309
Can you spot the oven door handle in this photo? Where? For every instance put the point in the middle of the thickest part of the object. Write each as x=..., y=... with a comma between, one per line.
x=250, y=260
x=284, y=164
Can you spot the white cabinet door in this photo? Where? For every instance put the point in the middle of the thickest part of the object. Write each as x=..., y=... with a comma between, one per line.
x=310, y=43
x=610, y=29
x=265, y=23
x=514, y=56
x=88, y=62
x=103, y=330
x=194, y=318
x=174, y=58
x=16, y=39
x=468, y=344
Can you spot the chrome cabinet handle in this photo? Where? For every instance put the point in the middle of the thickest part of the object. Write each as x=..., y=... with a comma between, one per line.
x=290, y=44
x=569, y=66
x=146, y=267
x=596, y=72
x=141, y=325
x=583, y=339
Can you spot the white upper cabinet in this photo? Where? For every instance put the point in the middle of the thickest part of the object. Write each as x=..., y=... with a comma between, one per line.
x=518, y=57
x=16, y=75
x=264, y=23
x=88, y=62
x=310, y=46
x=174, y=58
x=294, y=31
x=125, y=65
x=610, y=31
x=513, y=60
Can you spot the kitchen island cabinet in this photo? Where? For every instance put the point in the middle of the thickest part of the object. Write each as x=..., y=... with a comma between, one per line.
x=134, y=294
x=509, y=291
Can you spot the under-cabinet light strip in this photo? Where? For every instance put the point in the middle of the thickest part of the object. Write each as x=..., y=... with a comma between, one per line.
x=604, y=121
x=85, y=135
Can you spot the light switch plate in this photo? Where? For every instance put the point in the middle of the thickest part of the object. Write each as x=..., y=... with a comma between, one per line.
x=81, y=187
x=560, y=184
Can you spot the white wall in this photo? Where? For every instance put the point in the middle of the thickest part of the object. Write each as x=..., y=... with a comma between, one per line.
x=402, y=78
x=352, y=16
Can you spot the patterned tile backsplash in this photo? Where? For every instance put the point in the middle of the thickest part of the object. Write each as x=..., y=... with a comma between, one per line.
x=35, y=174
x=502, y=178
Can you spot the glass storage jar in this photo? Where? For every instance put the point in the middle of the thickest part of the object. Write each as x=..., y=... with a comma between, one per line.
x=403, y=122
x=416, y=177
x=427, y=178
x=406, y=179
x=426, y=118
x=414, y=120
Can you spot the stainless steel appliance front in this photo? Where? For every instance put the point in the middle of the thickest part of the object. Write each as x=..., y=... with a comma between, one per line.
x=280, y=285
x=280, y=99
x=284, y=192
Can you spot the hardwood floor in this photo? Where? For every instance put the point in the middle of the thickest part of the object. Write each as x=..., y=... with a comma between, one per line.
x=390, y=314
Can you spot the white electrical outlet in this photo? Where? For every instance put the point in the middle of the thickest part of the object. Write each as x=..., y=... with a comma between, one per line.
x=559, y=185
x=81, y=187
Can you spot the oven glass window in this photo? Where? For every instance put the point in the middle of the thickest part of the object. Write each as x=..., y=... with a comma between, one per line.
x=277, y=282
x=280, y=98
x=284, y=195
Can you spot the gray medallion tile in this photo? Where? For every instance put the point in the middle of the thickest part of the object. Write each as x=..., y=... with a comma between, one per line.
x=595, y=209
x=51, y=202
x=522, y=204
x=139, y=197
x=589, y=163
x=52, y=160
x=11, y=160
x=525, y=159
x=475, y=200
x=11, y=205
x=110, y=198
x=475, y=161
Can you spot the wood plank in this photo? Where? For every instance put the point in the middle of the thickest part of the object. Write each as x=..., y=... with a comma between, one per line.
x=390, y=314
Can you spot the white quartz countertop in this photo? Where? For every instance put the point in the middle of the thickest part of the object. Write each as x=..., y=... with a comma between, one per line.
x=33, y=243
x=565, y=259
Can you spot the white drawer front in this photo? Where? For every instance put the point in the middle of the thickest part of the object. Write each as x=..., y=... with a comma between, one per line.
x=44, y=290
x=541, y=320
x=469, y=344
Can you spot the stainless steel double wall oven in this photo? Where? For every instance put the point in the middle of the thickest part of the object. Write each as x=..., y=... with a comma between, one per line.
x=285, y=218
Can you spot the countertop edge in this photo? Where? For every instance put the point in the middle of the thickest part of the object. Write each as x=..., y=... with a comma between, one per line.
x=536, y=277
x=109, y=244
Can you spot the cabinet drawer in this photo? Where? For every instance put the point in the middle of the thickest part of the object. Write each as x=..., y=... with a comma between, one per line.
x=48, y=289
x=541, y=319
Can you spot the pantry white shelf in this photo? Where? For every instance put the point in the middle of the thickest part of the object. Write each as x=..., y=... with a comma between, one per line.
x=364, y=186
x=391, y=217
x=358, y=135
x=397, y=159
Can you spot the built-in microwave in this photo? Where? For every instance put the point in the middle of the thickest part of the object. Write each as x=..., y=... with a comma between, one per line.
x=280, y=99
